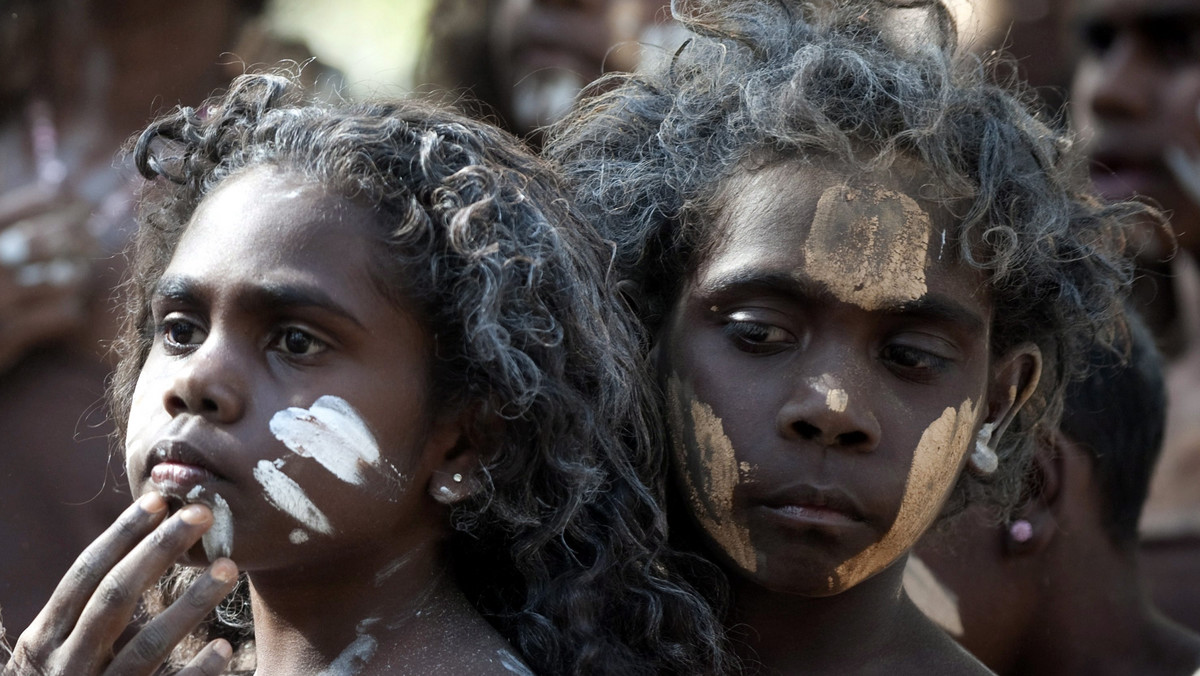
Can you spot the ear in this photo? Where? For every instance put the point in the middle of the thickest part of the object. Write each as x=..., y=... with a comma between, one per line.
x=1015, y=378
x=1036, y=522
x=454, y=448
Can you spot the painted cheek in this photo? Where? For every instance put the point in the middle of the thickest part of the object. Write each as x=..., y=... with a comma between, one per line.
x=868, y=246
x=332, y=433
x=710, y=472
x=936, y=464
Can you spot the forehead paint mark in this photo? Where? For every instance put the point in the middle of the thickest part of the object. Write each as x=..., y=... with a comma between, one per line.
x=868, y=246
x=513, y=664
x=218, y=541
x=330, y=432
x=289, y=498
x=298, y=536
x=711, y=477
x=934, y=598
x=935, y=467
x=356, y=656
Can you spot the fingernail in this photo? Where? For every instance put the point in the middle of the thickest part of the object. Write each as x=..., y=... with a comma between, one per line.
x=194, y=514
x=223, y=570
x=222, y=648
x=151, y=503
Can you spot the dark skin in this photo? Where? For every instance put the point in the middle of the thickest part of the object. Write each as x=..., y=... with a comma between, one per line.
x=1069, y=600
x=1134, y=98
x=801, y=406
x=254, y=316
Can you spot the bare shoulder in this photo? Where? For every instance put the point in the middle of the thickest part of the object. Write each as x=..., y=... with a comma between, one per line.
x=922, y=648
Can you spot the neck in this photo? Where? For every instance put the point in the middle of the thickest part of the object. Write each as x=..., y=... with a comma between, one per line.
x=1101, y=622
x=787, y=634
x=403, y=614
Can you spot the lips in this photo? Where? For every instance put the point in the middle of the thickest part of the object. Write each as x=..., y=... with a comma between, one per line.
x=1116, y=176
x=176, y=467
x=805, y=505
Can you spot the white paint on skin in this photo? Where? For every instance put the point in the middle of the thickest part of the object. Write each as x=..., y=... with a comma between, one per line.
x=298, y=536
x=836, y=399
x=218, y=541
x=287, y=496
x=391, y=568
x=332, y=433
x=357, y=655
x=935, y=599
x=513, y=664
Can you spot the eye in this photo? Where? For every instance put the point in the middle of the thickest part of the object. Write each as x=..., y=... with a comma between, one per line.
x=1173, y=42
x=757, y=337
x=914, y=363
x=298, y=342
x=180, y=334
x=1097, y=37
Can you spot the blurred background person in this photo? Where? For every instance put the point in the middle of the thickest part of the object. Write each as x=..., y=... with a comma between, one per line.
x=1056, y=590
x=526, y=60
x=1134, y=98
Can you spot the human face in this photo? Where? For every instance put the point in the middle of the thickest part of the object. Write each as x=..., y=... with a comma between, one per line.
x=282, y=388
x=1135, y=97
x=545, y=51
x=826, y=367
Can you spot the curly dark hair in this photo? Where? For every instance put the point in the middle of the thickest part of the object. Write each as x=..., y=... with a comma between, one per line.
x=564, y=547
x=860, y=83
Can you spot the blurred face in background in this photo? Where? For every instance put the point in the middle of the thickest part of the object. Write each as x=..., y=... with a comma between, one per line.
x=544, y=51
x=1135, y=96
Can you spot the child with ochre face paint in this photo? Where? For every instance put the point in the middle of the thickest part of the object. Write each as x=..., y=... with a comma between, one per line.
x=866, y=275
x=369, y=357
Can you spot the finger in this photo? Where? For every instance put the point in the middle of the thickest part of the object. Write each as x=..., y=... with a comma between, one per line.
x=211, y=661
x=117, y=595
x=151, y=646
x=26, y=200
x=62, y=611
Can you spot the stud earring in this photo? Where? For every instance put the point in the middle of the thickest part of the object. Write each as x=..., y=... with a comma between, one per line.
x=449, y=493
x=984, y=459
x=1021, y=531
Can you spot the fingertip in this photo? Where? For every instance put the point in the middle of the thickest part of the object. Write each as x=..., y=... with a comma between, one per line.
x=224, y=570
x=152, y=503
x=195, y=514
x=221, y=647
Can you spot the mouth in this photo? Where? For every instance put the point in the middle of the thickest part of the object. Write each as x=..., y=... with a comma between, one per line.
x=806, y=506
x=177, y=468
x=1119, y=177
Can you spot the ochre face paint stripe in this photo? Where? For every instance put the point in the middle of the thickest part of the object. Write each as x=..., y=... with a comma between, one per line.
x=935, y=467
x=868, y=246
x=717, y=469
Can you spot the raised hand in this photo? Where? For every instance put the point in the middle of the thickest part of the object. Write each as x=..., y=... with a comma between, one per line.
x=74, y=634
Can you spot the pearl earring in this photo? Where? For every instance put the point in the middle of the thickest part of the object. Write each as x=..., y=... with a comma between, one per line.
x=984, y=459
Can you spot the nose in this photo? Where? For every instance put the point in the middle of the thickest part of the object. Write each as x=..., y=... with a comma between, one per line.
x=821, y=410
x=209, y=383
x=1122, y=87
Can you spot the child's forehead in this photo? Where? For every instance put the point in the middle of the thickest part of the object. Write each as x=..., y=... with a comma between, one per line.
x=869, y=238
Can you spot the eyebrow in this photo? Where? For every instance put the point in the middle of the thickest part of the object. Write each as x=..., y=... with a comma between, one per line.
x=265, y=295
x=931, y=306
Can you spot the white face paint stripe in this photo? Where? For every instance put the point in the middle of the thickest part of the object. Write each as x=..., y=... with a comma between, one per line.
x=218, y=541
x=332, y=433
x=289, y=497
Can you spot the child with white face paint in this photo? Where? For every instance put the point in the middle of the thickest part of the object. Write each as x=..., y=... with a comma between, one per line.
x=370, y=357
x=865, y=274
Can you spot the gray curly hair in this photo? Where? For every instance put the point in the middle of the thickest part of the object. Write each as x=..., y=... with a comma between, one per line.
x=861, y=83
